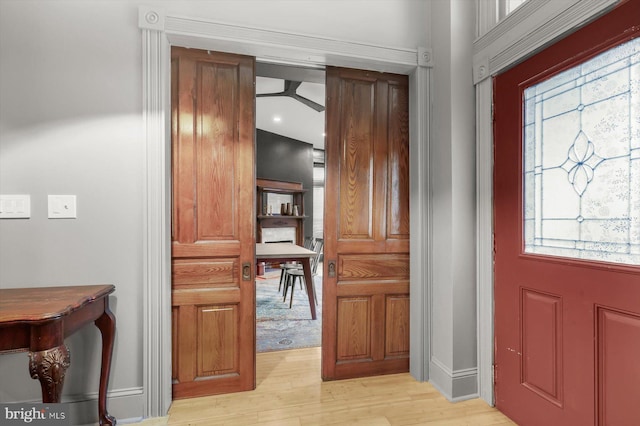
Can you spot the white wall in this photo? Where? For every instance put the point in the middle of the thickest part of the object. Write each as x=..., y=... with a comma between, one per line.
x=71, y=123
x=392, y=23
x=453, y=328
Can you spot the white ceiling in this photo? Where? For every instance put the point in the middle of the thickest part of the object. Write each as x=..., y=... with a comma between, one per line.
x=297, y=120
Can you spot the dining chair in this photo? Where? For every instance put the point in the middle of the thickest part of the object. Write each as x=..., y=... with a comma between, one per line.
x=291, y=275
x=309, y=242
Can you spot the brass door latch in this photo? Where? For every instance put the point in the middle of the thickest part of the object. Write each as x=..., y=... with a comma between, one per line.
x=246, y=271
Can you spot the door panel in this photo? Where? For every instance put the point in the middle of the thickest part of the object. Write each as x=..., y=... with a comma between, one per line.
x=213, y=222
x=366, y=279
x=541, y=331
x=618, y=348
x=397, y=326
x=566, y=229
x=354, y=313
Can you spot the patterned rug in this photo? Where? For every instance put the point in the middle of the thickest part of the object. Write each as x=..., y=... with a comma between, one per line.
x=277, y=326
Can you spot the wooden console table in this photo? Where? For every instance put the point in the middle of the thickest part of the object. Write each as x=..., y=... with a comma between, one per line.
x=39, y=319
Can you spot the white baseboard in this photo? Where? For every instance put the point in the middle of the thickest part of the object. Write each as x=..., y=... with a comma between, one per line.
x=126, y=405
x=458, y=385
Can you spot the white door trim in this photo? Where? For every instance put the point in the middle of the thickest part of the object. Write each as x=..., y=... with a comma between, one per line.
x=159, y=31
x=528, y=29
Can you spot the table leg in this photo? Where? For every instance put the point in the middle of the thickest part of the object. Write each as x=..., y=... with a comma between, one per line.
x=107, y=325
x=49, y=367
x=308, y=279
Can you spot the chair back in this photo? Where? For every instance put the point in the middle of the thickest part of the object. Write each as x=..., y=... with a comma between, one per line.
x=309, y=242
x=317, y=247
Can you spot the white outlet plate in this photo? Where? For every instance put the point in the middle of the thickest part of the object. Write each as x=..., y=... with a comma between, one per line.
x=62, y=207
x=15, y=206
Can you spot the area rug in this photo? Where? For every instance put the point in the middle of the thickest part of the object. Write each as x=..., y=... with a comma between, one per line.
x=277, y=326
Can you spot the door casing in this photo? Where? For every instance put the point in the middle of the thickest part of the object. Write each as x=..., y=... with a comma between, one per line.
x=157, y=37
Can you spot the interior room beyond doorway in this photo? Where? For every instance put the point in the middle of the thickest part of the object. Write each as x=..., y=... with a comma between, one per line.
x=290, y=125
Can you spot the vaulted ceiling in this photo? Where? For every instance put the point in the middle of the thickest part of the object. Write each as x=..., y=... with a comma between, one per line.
x=285, y=115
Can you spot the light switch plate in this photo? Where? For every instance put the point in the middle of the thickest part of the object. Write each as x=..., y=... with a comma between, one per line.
x=15, y=206
x=62, y=206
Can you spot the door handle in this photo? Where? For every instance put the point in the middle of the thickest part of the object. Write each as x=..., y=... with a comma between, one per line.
x=331, y=268
x=246, y=271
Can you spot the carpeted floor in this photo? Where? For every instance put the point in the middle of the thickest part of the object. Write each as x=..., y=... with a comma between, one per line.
x=277, y=326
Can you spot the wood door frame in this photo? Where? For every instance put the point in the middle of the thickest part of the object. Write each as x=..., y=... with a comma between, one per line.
x=528, y=29
x=159, y=31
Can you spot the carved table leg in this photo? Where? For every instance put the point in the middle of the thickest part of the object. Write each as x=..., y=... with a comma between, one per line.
x=107, y=325
x=49, y=367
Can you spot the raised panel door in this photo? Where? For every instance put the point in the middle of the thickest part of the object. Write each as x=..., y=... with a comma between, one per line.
x=366, y=261
x=213, y=224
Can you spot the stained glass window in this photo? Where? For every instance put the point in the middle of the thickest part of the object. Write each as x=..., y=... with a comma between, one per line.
x=581, y=160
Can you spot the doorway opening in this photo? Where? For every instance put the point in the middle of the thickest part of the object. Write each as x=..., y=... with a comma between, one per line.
x=365, y=328
x=290, y=126
x=157, y=282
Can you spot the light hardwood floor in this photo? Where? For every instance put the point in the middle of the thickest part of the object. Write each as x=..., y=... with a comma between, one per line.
x=290, y=392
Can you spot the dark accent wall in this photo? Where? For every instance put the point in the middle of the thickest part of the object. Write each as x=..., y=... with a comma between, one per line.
x=286, y=159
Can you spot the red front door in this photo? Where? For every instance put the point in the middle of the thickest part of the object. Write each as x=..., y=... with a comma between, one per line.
x=567, y=229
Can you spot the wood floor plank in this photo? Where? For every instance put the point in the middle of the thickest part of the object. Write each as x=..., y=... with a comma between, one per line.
x=290, y=392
